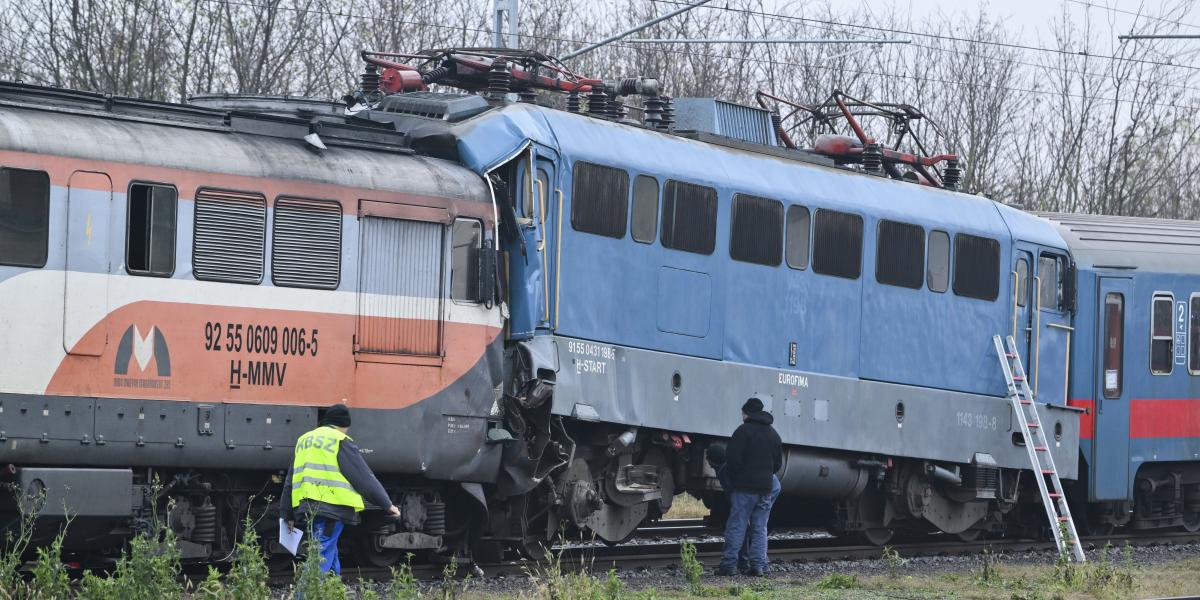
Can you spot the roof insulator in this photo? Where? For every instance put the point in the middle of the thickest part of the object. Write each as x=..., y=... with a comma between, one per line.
x=952, y=176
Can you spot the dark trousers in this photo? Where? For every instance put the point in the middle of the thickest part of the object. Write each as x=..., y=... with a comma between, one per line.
x=749, y=513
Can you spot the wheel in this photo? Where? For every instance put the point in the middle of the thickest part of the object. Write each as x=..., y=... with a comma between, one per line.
x=368, y=554
x=1191, y=522
x=878, y=536
x=969, y=535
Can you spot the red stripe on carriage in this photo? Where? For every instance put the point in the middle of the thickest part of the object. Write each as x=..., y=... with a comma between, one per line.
x=1087, y=420
x=1164, y=418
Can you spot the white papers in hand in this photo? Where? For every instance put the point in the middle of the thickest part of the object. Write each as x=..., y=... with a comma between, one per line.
x=289, y=540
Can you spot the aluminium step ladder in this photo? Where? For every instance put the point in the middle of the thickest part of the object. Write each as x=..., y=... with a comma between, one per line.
x=1021, y=397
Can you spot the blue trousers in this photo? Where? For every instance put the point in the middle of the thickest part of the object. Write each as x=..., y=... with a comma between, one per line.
x=326, y=533
x=747, y=526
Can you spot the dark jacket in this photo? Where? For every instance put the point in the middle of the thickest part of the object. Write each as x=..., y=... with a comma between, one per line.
x=754, y=454
x=356, y=471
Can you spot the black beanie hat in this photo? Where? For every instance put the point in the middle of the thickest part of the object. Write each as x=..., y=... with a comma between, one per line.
x=752, y=406
x=338, y=416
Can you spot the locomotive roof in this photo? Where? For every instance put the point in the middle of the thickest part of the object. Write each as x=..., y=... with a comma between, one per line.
x=85, y=125
x=1156, y=245
x=492, y=137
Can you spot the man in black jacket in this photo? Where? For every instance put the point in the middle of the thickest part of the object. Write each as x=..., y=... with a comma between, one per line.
x=754, y=455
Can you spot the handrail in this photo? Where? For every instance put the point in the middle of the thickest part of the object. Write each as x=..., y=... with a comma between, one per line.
x=558, y=241
x=1037, y=336
x=1016, y=291
x=1067, y=367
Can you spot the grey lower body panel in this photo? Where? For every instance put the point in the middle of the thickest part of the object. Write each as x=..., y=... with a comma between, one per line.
x=442, y=437
x=645, y=388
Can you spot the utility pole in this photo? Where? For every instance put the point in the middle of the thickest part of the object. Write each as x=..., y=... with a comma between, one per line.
x=504, y=18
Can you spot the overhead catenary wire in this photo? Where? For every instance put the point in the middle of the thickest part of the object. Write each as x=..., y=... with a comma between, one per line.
x=925, y=79
x=1013, y=45
x=1114, y=9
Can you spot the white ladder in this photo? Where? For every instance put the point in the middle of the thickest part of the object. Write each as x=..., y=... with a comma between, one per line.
x=1021, y=397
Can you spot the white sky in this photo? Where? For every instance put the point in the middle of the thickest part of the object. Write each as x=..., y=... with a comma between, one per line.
x=1030, y=18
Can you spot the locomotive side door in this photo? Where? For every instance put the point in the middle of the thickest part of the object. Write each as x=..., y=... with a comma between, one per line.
x=1110, y=447
x=532, y=264
x=85, y=302
x=1022, y=306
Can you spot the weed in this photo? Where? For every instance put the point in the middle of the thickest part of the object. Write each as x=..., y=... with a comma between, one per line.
x=404, y=583
x=613, y=586
x=838, y=581
x=989, y=575
x=312, y=581
x=16, y=541
x=247, y=578
x=692, y=569
x=893, y=560
x=1105, y=576
x=50, y=578
x=211, y=588
x=366, y=592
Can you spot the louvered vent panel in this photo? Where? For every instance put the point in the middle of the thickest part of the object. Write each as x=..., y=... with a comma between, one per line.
x=306, y=243
x=400, y=287
x=230, y=236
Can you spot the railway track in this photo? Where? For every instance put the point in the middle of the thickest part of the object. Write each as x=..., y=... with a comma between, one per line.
x=666, y=554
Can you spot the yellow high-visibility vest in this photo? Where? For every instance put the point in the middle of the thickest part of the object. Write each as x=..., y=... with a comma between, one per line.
x=315, y=472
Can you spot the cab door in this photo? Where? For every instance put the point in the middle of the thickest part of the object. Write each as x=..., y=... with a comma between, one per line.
x=533, y=260
x=1110, y=448
x=1022, y=307
x=85, y=306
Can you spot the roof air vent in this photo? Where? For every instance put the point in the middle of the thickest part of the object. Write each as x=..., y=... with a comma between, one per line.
x=434, y=105
x=710, y=115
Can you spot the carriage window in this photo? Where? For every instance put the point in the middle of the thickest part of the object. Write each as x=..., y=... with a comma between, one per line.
x=976, y=267
x=229, y=237
x=837, y=244
x=645, y=209
x=1194, y=336
x=797, y=237
x=24, y=217
x=150, y=241
x=689, y=221
x=1022, y=282
x=1114, y=343
x=600, y=200
x=464, y=256
x=306, y=243
x=756, y=230
x=1162, y=339
x=939, y=261
x=900, y=257
x=1050, y=273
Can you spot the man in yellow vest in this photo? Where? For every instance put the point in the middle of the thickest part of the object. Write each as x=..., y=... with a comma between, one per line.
x=327, y=483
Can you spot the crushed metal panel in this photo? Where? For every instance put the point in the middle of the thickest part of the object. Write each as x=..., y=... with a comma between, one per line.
x=401, y=281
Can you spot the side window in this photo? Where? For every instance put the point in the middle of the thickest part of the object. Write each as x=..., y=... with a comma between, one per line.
x=1022, y=282
x=24, y=217
x=798, y=232
x=689, y=217
x=1162, y=339
x=1194, y=336
x=900, y=257
x=150, y=230
x=229, y=237
x=1114, y=343
x=645, y=209
x=938, y=276
x=306, y=243
x=1050, y=273
x=756, y=230
x=837, y=244
x=976, y=267
x=467, y=239
x=599, y=200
